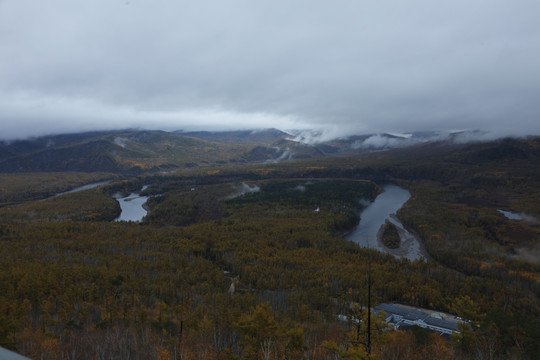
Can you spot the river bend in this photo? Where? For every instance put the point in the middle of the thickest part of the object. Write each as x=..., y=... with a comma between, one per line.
x=368, y=232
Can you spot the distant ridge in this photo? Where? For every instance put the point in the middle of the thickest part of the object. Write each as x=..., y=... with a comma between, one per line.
x=266, y=136
x=136, y=151
x=117, y=151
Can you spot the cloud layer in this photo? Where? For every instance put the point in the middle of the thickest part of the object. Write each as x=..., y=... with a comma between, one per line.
x=340, y=67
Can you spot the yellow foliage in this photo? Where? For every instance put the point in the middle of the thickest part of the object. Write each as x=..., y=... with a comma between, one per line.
x=264, y=171
x=526, y=275
x=485, y=266
x=163, y=354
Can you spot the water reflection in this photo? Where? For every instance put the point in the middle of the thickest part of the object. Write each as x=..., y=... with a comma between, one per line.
x=374, y=216
x=84, y=187
x=383, y=209
x=132, y=207
x=512, y=216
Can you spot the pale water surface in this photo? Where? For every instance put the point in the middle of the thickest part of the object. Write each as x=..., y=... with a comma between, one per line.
x=84, y=187
x=376, y=214
x=132, y=207
x=512, y=216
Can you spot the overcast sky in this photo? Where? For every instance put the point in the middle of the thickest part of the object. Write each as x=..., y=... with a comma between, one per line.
x=340, y=67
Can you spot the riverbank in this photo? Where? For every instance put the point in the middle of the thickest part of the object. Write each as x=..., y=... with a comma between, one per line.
x=369, y=231
x=410, y=246
x=132, y=207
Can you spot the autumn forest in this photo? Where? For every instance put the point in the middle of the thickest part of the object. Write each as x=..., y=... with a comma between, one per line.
x=233, y=262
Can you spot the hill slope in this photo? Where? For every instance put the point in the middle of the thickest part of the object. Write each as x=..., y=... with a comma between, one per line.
x=122, y=151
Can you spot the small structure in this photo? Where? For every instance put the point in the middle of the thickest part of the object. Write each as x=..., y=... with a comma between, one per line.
x=402, y=317
x=6, y=354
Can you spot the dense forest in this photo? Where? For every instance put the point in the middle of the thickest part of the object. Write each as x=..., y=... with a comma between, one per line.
x=249, y=261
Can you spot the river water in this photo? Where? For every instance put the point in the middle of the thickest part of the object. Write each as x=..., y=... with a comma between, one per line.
x=132, y=206
x=512, y=216
x=84, y=187
x=385, y=206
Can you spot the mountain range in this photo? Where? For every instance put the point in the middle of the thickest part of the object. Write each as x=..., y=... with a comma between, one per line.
x=135, y=151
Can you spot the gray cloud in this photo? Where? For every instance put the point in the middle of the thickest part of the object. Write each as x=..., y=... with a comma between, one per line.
x=340, y=67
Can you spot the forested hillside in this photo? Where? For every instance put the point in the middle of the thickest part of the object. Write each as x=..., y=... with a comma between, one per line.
x=248, y=261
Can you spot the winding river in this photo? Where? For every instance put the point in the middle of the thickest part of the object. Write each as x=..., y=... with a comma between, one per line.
x=132, y=206
x=81, y=188
x=384, y=208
